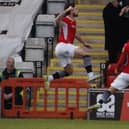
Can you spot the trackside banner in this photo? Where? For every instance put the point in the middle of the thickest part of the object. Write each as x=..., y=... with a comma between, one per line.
x=125, y=107
x=108, y=111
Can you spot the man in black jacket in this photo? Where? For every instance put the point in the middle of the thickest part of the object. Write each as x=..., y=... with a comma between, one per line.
x=116, y=30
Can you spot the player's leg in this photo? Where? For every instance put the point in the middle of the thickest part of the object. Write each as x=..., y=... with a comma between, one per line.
x=105, y=99
x=81, y=52
x=68, y=70
x=64, y=53
x=121, y=82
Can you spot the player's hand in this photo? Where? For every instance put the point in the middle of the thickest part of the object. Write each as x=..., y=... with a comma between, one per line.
x=87, y=45
x=124, y=10
x=69, y=9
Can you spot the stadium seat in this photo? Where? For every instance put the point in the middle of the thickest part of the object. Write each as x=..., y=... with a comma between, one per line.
x=110, y=74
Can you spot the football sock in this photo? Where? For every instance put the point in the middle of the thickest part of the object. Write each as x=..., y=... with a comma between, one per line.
x=105, y=97
x=60, y=74
x=87, y=63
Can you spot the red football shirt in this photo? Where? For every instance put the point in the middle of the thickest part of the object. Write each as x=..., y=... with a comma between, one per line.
x=68, y=30
x=123, y=62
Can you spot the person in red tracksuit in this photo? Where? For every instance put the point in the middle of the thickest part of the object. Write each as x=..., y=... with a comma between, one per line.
x=65, y=49
x=121, y=81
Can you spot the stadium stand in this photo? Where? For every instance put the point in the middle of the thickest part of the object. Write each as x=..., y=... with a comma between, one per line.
x=90, y=26
x=16, y=26
x=35, y=50
x=45, y=26
x=55, y=6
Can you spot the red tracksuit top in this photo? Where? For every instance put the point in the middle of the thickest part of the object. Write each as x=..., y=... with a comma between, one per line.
x=67, y=31
x=123, y=62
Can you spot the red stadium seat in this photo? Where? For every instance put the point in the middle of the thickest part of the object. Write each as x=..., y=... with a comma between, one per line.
x=110, y=74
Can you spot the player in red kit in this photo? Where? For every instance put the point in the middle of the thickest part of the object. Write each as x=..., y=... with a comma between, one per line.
x=121, y=81
x=65, y=50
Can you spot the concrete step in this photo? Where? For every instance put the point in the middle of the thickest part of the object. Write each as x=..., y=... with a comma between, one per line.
x=92, y=1
x=99, y=54
x=90, y=7
x=94, y=48
x=90, y=31
x=94, y=38
x=78, y=77
x=94, y=45
x=77, y=71
x=76, y=62
x=90, y=23
x=93, y=84
x=90, y=15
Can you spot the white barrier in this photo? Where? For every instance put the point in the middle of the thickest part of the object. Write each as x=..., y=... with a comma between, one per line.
x=16, y=24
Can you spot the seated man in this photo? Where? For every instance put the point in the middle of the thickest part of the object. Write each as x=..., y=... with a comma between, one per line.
x=11, y=72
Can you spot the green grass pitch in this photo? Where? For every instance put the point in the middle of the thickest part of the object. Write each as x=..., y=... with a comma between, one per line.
x=61, y=124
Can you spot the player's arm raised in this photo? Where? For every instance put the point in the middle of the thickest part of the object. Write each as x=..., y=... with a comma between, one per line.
x=62, y=14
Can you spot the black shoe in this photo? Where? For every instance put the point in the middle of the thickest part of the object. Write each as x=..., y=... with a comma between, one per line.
x=108, y=100
x=94, y=107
